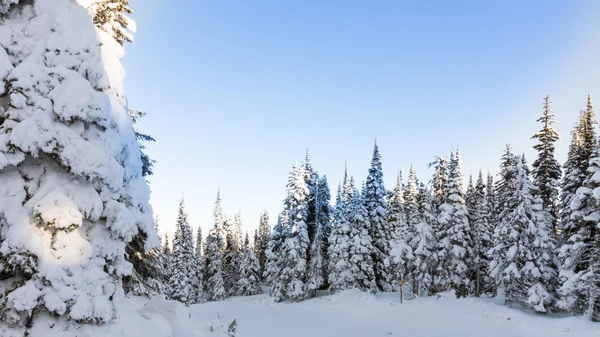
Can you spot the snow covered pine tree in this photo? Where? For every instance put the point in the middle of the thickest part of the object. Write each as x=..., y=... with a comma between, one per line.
x=249, y=280
x=215, y=241
x=378, y=227
x=523, y=253
x=546, y=169
x=581, y=251
x=339, y=277
x=454, y=245
x=72, y=188
x=184, y=279
x=294, y=250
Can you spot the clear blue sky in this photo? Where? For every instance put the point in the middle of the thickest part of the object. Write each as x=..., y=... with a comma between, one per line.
x=237, y=90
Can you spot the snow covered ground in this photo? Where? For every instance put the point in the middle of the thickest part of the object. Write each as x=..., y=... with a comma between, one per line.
x=356, y=314
x=348, y=314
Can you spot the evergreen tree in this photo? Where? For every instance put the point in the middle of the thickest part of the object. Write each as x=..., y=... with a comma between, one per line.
x=253, y=244
x=70, y=169
x=470, y=198
x=339, y=277
x=294, y=250
x=360, y=246
x=395, y=208
x=249, y=281
x=491, y=202
x=482, y=234
x=546, y=169
x=581, y=251
x=238, y=236
x=111, y=17
x=323, y=215
x=231, y=259
x=438, y=189
x=423, y=244
x=218, y=216
x=273, y=253
x=455, y=243
x=413, y=219
x=317, y=271
x=167, y=254
x=397, y=223
x=182, y=285
x=583, y=143
x=523, y=255
x=439, y=182
x=316, y=275
x=503, y=192
x=375, y=203
x=149, y=276
x=262, y=240
x=214, y=287
x=311, y=180
x=200, y=265
x=411, y=204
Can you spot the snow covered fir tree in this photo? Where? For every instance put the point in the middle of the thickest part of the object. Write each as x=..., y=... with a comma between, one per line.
x=183, y=280
x=73, y=191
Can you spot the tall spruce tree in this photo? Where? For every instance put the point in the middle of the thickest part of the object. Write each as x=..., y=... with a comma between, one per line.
x=231, y=259
x=439, y=182
x=339, y=277
x=182, y=285
x=546, y=169
x=200, y=265
x=397, y=222
x=214, y=284
x=491, y=202
x=167, y=254
x=316, y=277
x=324, y=213
x=262, y=240
x=294, y=250
x=249, y=280
x=273, y=253
x=580, y=253
x=70, y=167
x=311, y=179
x=379, y=231
x=395, y=208
x=482, y=234
x=413, y=219
x=214, y=287
x=454, y=247
x=423, y=245
x=411, y=204
x=523, y=255
x=583, y=143
x=360, y=246
x=317, y=270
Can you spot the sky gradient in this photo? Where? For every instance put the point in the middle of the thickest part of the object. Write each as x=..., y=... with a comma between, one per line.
x=236, y=91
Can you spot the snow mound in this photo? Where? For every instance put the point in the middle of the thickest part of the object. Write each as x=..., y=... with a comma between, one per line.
x=158, y=317
x=351, y=296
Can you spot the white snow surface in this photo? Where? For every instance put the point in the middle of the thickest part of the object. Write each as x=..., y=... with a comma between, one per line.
x=352, y=313
x=349, y=313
